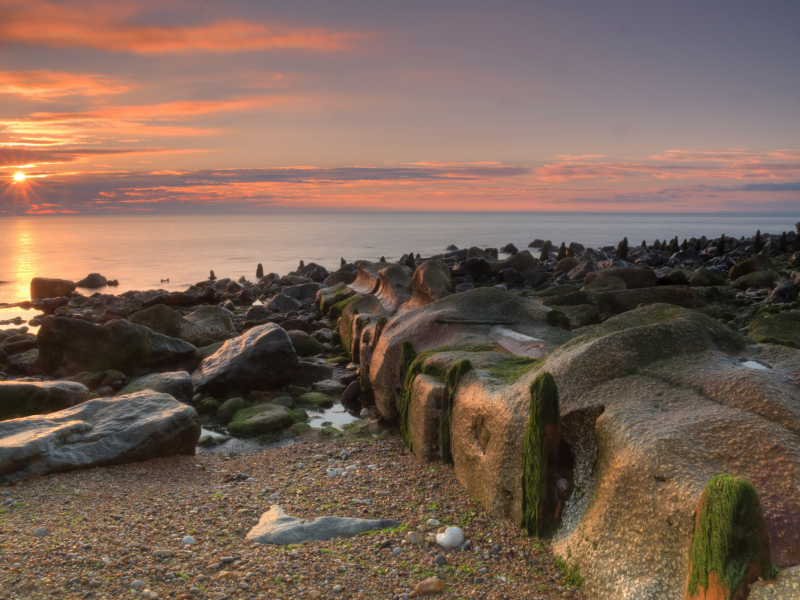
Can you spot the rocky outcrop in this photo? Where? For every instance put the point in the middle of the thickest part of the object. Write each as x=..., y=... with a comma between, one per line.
x=69, y=346
x=42, y=287
x=99, y=432
x=92, y=280
x=25, y=398
x=431, y=282
x=260, y=359
x=177, y=384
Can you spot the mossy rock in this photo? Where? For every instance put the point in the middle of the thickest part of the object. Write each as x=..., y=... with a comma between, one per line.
x=298, y=429
x=95, y=380
x=315, y=400
x=707, y=278
x=554, y=291
x=759, y=262
x=557, y=318
x=609, y=284
x=338, y=360
x=329, y=297
x=332, y=432
x=581, y=315
x=758, y=279
x=296, y=390
x=675, y=277
x=208, y=406
x=261, y=419
x=230, y=407
x=573, y=298
x=304, y=344
x=338, y=309
x=780, y=328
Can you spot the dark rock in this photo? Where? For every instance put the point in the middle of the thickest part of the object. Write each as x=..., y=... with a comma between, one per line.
x=756, y=279
x=754, y=264
x=177, y=384
x=259, y=312
x=351, y=394
x=107, y=431
x=260, y=359
x=346, y=277
x=70, y=346
x=303, y=293
x=536, y=279
x=784, y=292
x=634, y=277
x=92, y=280
x=509, y=249
x=41, y=287
x=283, y=304
x=22, y=399
x=304, y=344
x=707, y=278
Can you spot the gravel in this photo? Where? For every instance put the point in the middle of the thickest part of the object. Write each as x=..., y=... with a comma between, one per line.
x=111, y=530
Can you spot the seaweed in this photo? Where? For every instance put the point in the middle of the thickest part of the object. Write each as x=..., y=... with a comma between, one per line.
x=729, y=530
x=451, y=379
x=539, y=451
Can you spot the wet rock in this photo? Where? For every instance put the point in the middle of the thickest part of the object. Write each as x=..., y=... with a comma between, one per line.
x=92, y=280
x=260, y=359
x=304, y=344
x=21, y=399
x=261, y=419
x=327, y=297
x=177, y=384
x=303, y=293
x=70, y=346
x=276, y=527
x=586, y=264
x=42, y=287
x=206, y=323
x=99, y=432
x=283, y=304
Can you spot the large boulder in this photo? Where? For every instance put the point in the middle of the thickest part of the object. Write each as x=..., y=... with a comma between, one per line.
x=781, y=328
x=260, y=419
x=706, y=278
x=431, y=282
x=262, y=358
x=106, y=431
x=25, y=398
x=70, y=346
x=206, y=324
x=283, y=304
x=42, y=287
x=92, y=280
x=303, y=293
x=759, y=262
x=586, y=265
x=329, y=296
x=756, y=279
x=177, y=384
x=634, y=277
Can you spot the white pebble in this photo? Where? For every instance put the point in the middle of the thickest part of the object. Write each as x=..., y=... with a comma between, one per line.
x=188, y=540
x=433, y=523
x=451, y=538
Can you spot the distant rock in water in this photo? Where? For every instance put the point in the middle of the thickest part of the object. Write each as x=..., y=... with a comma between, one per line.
x=42, y=287
x=93, y=280
x=107, y=431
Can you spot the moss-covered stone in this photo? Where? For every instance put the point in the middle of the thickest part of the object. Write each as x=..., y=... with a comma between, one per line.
x=707, y=278
x=261, y=419
x=95, y=380
x=338, y=360
x=315, y=400
x=557, y=318
x=756, y=263
x=758, y=279
x=230, y=407
x=779, y=328
x=337, y=309
x=208, y=406
x=730, y=547
x=675, y=277
x=304, y=344
x=330, y=297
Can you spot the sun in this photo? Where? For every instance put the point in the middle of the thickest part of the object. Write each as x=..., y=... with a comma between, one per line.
x=19, y=177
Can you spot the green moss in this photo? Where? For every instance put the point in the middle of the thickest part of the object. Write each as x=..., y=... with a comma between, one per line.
x=773, y=340
x=337, y=310
x=231, y=407
x=347, y=334
x=315, y=400
x=208, y=406
x=511, y=368
x=298, y=428
x=570, y=574
x=556, y=318
x=298, y=414
x=451, y=379
x=729, y=529
x=339, y=360
x=539, y=454
x=331, y=432
x=273, y=418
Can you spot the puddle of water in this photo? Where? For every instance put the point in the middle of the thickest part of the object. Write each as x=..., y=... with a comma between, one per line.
x=753, y=365
x=337, y=416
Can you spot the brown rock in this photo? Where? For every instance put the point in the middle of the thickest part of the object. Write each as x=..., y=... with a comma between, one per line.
x=433, y=585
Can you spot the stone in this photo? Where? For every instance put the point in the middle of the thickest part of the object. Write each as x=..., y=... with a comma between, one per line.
x=345, y=277
x=261, y=419
x=415, y=537
x=754, y=264
x=756, y=279
x=327, y=297
x=42, y=287
x=262, y=359
x=780, y=328
x=230, y=407
x=440, y=560
x=786, y=586
x=177, y=384
x=432, y=585
x=276, y=527
x=283, y=304
x=206, y=323
x=304, y=344
x=351, y=394
x=431, y=282
x=315, y=400
x=92, y=280
x=452, y=537
x=162, y=554
x=567, y=264
x=707, y=278
x=303, y=293
x=188, y=540
x=70, y=346
x=258, y=312
x=331, y=387
x=22, y=399
x=41, y=532
x=98, y=432
x=586, y=265
x=634, y=277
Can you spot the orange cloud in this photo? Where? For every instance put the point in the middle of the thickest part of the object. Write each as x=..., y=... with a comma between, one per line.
x=45, y=85
x=106, y=26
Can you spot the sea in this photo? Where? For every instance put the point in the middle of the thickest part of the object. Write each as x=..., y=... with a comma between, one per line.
x=172, y=252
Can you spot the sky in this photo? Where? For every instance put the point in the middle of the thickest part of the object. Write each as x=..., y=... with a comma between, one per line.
x=211, y=106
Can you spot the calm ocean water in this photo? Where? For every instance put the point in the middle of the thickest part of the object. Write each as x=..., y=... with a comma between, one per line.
x=140, y=250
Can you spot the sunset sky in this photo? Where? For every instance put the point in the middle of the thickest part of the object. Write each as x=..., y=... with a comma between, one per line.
x=209, y=106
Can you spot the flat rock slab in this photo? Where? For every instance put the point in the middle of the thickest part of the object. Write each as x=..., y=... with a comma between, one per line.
x=25, y=398
x=105, y=431
x=276, y=527
x=177, y=384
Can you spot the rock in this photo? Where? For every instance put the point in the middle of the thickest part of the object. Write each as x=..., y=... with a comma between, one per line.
x=315, y=400
x=177, y=384
x=567, y=264
x=230, y=407
x=634, y=277
x=674, y=277
x=208, y=406
x=784, y=587
x=261, y=419
x=756, y=279
x=440, y=560
x=754, y=264
x=92, y=280
x=262, y=358
x=415, y=537
x=206, y=323
x=98, y=432
x=784, y=292
x=351, y=394
x=794, y=260
x=276, y=527
x=707, y=278
x=452, y=537
x=283, y=304
x=432, y=585
x=258, y=312
x=304, y=344
x=615, y=302
x=330, y=387
x=188, y=540
x=782, y=328
x=22, y=399
x=303, y=293
x=586, y=265
x=70, y=346
x=524, y=262
x=431, y=282
x=162, y=554
x=41, y=532
x=42, y=287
